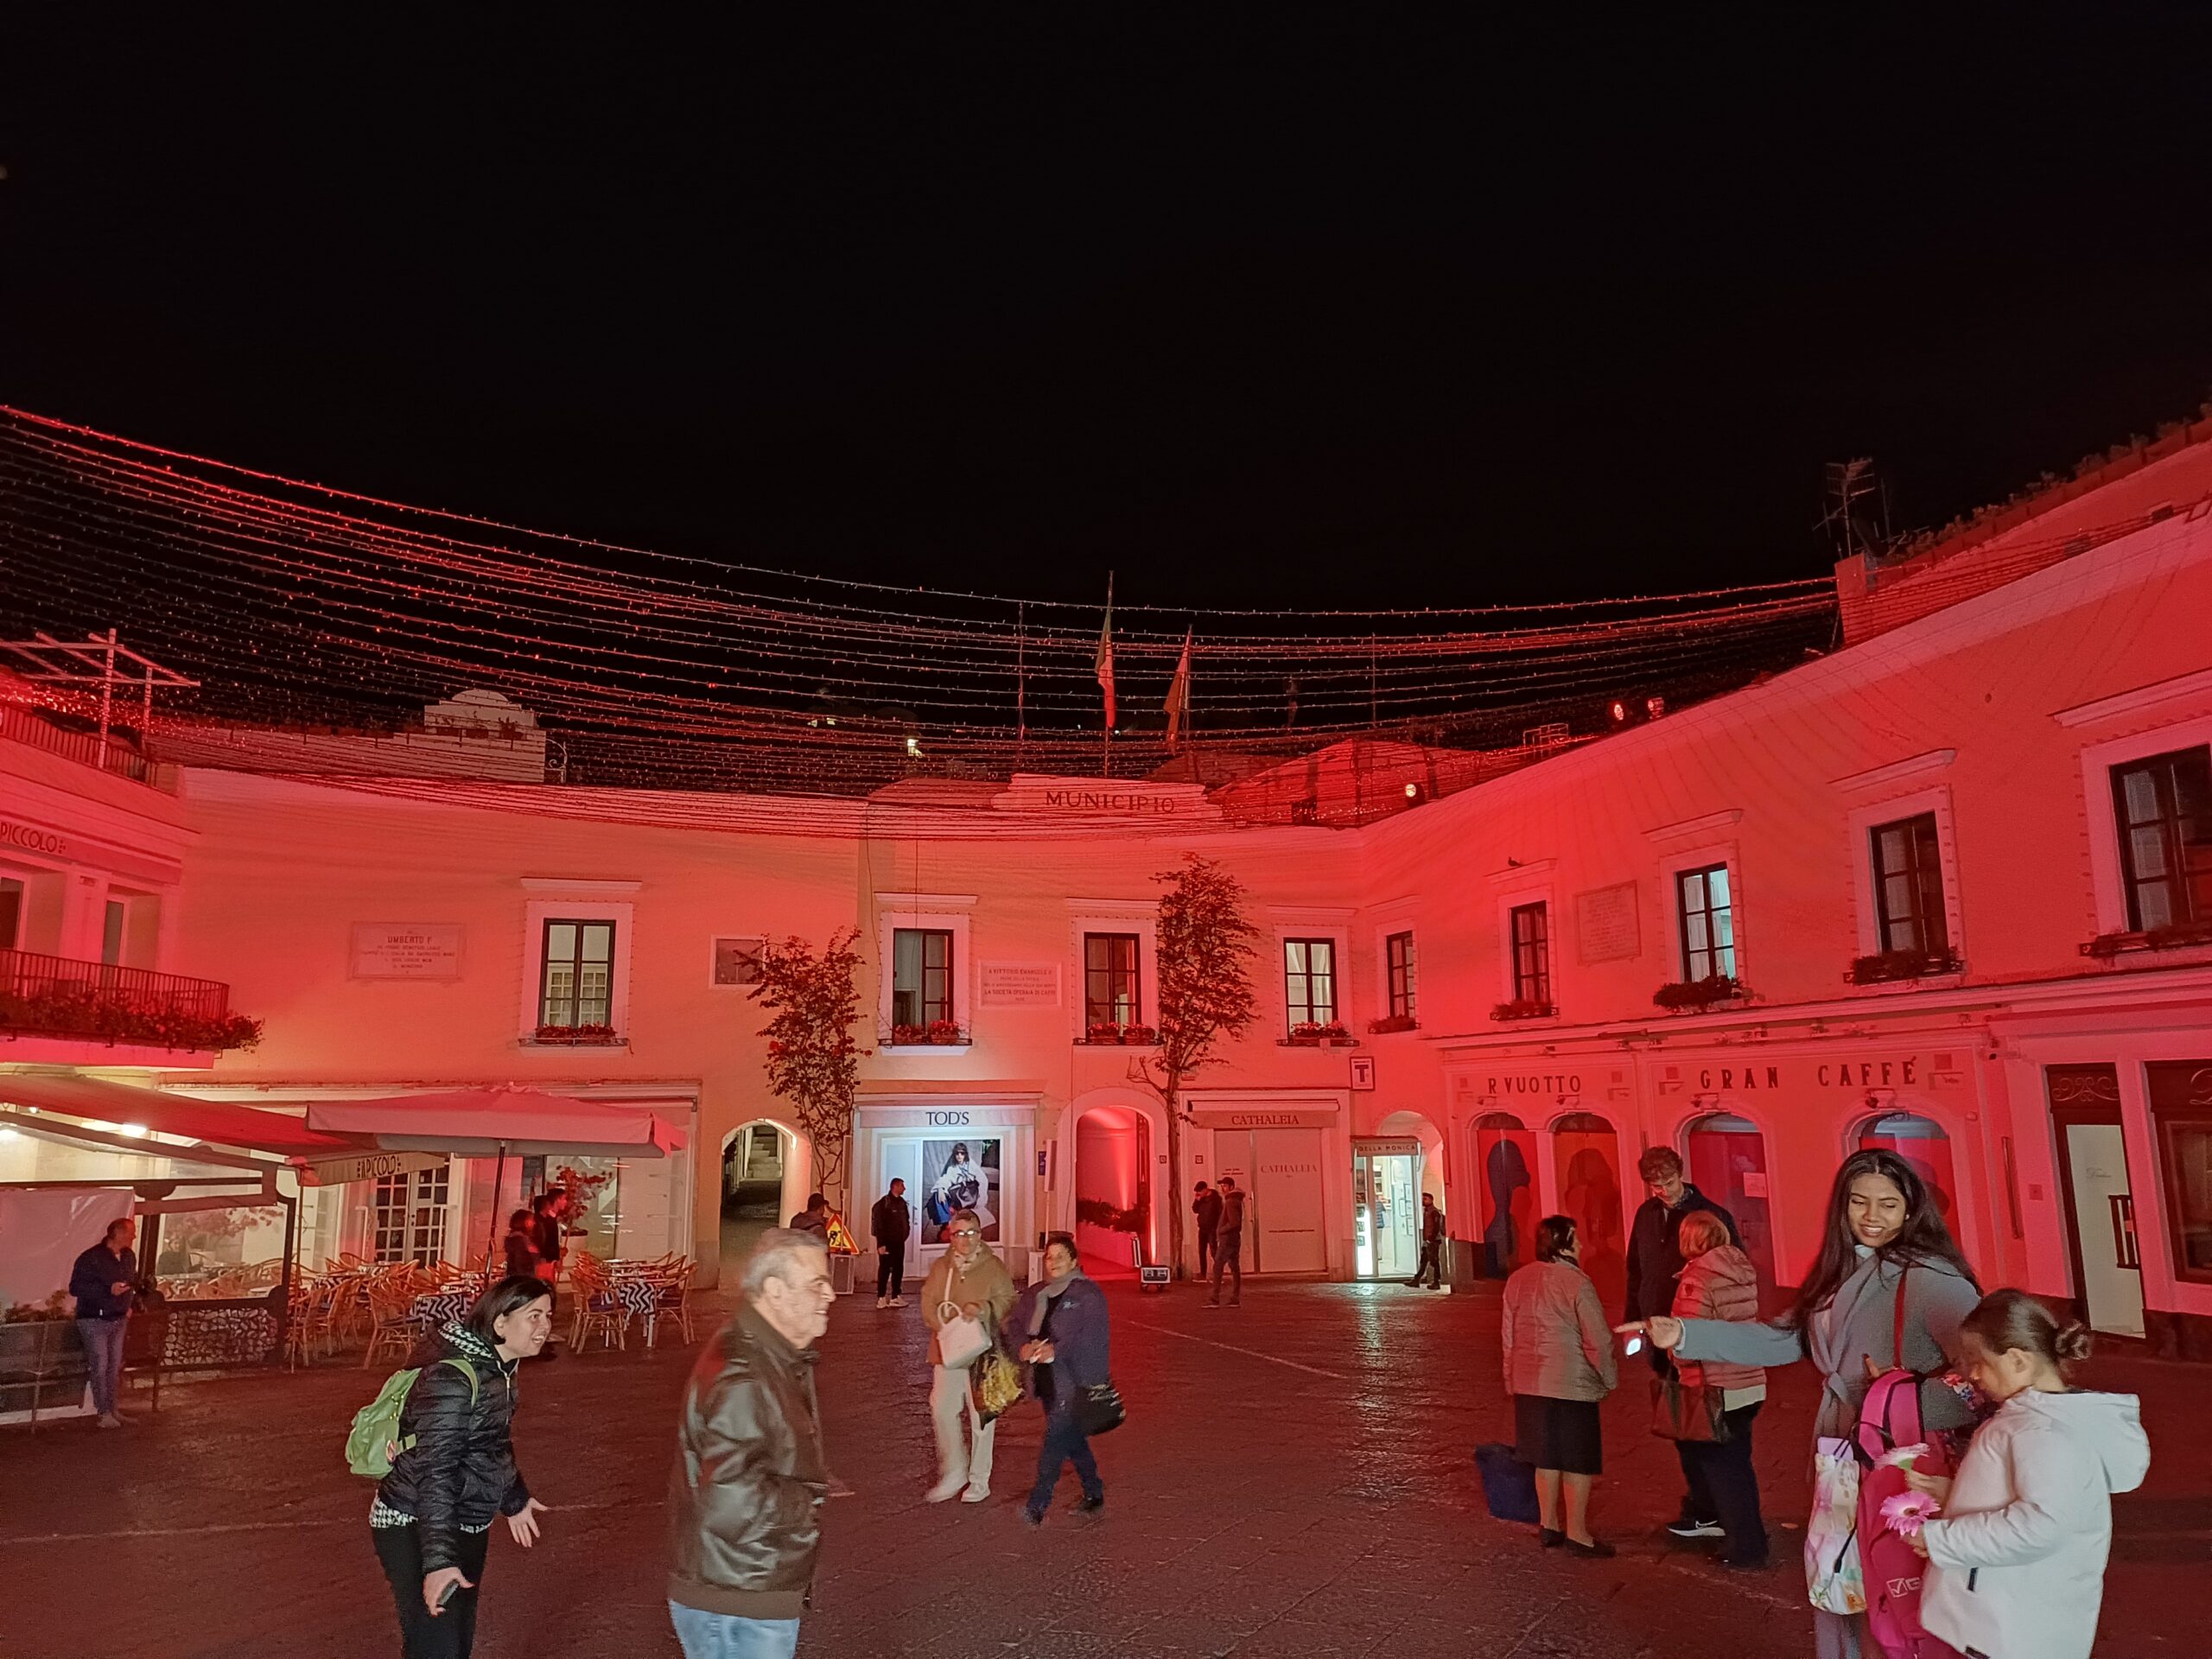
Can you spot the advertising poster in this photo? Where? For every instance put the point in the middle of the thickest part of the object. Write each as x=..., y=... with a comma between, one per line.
x=959, y=1175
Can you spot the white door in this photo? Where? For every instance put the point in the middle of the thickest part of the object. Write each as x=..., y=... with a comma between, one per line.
x=2104, y=1213
x=1286, y=1222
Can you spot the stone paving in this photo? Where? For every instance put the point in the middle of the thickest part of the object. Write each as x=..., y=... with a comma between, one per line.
x=1295, y=1479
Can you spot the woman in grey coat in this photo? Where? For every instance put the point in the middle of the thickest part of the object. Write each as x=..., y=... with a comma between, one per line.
x=1884, y=1232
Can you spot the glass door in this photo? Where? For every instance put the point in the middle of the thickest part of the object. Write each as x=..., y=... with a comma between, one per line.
x=1386, y=1209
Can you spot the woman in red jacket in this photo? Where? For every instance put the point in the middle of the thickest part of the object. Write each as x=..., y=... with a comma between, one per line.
x=1719, y=1282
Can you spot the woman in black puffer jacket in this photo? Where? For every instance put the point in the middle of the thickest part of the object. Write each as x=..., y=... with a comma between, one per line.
x=432, y=1519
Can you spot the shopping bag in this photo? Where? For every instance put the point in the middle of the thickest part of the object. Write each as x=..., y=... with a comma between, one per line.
x=1508, y=1485
x=1834, y=1582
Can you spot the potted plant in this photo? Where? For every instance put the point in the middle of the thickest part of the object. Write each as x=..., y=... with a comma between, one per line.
x=1103, y=1031
x=1696, y=994
x=946, y=1032
x=1391, y=1022
x=1887, y=966
x=593, y=1036
x=2176, y=936
x=910, y=1036
x=1139, y=1036
x=1318, y=1034
x=1523, y=1008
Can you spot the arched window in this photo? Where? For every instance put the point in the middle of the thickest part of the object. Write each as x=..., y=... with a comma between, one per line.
x=1921, y=1143
x=1505, y=1170
x=1585, y=1153
x=1728, y=1159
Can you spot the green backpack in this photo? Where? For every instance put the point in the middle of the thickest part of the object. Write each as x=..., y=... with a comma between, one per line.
x=376, y=1426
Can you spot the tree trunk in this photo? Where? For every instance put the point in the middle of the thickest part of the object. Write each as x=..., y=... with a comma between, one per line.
x=1174, y=1179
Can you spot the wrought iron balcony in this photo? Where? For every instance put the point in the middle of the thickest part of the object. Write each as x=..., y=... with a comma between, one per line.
x=64, y=996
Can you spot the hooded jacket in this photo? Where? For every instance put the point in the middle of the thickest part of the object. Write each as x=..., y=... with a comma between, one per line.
x=745, y=1499
x=459, y=1475
x=2016, y=1562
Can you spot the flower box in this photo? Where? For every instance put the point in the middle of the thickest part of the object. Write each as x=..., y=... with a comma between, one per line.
x=1524, y=1007
x=2174, y=937
x=1887, y=966
x=1335, y=1035
x=1391, y=1022
x=578, y=1036
x=938, y=1033
x=1107, y=1034
x=69, y=1012
x=1695, y=995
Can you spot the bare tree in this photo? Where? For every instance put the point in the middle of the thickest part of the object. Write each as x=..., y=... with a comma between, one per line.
x=813, y=1061
x=1204, y=949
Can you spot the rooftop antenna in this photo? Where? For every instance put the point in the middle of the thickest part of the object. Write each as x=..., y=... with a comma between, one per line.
x=1855, y=509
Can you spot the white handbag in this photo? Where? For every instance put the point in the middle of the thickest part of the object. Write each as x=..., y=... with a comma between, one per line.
x=959, y=1338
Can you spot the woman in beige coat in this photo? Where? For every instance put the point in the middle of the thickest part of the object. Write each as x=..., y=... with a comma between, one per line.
x=1558, y=1364
x=968, y=1281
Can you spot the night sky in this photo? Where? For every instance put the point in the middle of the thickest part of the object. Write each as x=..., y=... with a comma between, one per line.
x=1255, y=306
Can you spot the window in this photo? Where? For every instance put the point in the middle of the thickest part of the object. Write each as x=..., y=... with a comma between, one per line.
x=1398, y=969
x=1310, y=980
x=11, y=912
x=921, y=975
x=576, y=976
x=2181, y=1114
x=1909, y=886
x=1532, y=952
x=410, y=1217
x=2163, y=806
x=111, y=932
x=1709, y=924
x=1110, y=980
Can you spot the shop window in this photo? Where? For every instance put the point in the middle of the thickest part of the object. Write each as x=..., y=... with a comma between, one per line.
x=1310, y=980
x=11, y=912
x=2163, y=808
x=1909, y=886
x=1707, y=916
x=1585, y=1151
x=409, y=1216
x=2181, y=1116
x=1110, y=980
x=1924, y=1146
x=1727, y=1160
x=1505, y=1164
x=921, y=975
x=576, y=975
x=1398, y=962
x=1532, y=952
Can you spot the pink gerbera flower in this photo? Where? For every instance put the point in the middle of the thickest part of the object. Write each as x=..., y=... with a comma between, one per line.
x=1903, y=1454
x=1905, y=1513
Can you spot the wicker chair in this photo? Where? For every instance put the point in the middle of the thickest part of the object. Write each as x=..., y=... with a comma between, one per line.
x=671, y=1283
x=598, y=1307
x=392, y=1323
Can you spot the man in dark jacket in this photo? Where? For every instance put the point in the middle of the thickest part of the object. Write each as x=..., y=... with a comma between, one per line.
x=890, y=1222
x=1654, y=1268
x=815, y=1218
x=745, y=1499
x=104, y=1281
x=1431, y=1244
x=1228, y=1243
x=1207, y=1206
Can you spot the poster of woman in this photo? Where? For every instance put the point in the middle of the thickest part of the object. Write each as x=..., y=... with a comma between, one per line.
x=959, y=1175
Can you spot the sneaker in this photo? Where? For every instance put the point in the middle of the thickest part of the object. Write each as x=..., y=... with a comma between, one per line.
x=944, y=1490
x=1031, y=1518
x=883, y=1301
x=1689, y=1528
x=977, y=1495
x=110, y=1420
x=898, y=1301
x=1213, y=1304
x=1092, y=1505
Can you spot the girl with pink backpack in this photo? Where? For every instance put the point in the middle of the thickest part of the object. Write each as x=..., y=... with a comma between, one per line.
x=1887, y=1292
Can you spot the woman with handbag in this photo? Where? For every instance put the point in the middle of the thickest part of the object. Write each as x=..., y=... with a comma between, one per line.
x=1719, y=1281
x=1888, y=1290
x=966, y=1294
x=1558, y=1364
x=1058, y=1330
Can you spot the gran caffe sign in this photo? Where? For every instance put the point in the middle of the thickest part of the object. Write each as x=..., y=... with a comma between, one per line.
x=1744, y=1077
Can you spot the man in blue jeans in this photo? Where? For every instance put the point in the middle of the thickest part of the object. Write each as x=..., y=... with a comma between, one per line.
x=104, y=1281
x=746, y=1499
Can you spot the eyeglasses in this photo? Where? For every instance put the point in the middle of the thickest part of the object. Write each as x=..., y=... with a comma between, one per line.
x=970, y=1233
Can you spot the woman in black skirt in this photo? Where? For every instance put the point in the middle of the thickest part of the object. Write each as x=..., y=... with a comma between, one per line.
x=1558, y=1364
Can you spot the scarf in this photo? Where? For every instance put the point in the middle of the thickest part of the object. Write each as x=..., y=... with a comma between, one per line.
x=1045, y=1293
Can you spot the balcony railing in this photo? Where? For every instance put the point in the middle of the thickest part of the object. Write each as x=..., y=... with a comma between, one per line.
x=116, y=755
x=35, y=978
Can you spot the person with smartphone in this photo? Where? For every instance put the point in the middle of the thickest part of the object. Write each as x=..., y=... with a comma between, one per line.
x=455, y=1475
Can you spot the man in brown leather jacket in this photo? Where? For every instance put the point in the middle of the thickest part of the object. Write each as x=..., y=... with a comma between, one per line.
x=746, y=1498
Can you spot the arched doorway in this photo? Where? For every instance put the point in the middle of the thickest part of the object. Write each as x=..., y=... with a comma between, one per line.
x=1113, y=1190
x=1585, y=1151
x=1921, y=1143
x=1391, y=1170
x=764, y=1170
x=1728, y=1159
x=1505, y=1162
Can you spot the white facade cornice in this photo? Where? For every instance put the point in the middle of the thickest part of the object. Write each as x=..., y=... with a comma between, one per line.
x=2183, y=688
x=1917, y=766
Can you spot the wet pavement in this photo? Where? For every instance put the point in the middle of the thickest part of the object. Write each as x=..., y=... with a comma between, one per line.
x=1296, y=1479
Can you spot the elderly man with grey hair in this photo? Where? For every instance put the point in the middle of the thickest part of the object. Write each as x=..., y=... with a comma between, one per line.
x=745, y=1500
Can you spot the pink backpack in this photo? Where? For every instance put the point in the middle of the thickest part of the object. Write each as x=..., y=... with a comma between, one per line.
x=1888, y=1418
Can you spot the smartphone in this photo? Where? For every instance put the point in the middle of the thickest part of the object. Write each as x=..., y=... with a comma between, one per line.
x=1634, y=1345
x=452, y=1589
